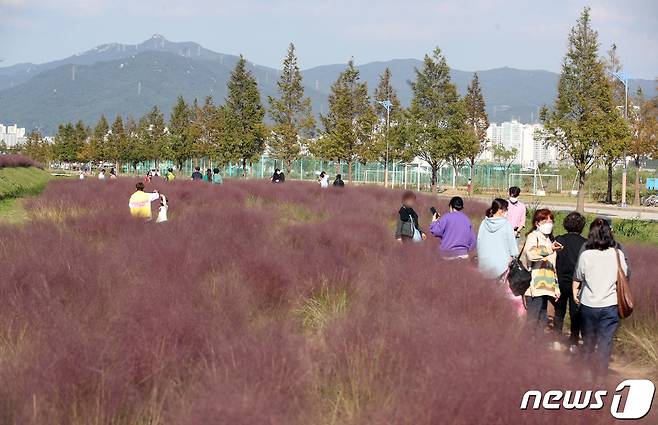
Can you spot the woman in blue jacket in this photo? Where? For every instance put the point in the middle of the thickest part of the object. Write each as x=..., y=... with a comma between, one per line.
x=496, y=243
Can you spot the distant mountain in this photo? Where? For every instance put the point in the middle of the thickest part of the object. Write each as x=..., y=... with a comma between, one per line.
x=125, y=79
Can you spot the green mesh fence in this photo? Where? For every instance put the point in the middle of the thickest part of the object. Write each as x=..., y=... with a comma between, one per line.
x=412, y=176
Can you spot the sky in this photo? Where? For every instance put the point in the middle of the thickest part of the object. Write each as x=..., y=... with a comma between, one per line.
x=473, y=34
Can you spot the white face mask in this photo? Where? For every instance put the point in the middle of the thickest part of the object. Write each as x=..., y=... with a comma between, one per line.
x=513, y=200
x=546, y=228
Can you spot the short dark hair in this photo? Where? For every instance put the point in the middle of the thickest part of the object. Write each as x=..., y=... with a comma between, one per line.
x=215, y=170
x=600, y=235
x=197, y=168
x=408, y=194
x=514, y=191
x=139, y=186
x=574, y=222
x=457, y=203
x=338, y=177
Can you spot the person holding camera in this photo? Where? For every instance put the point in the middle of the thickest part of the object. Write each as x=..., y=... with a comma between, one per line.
x=454, y=229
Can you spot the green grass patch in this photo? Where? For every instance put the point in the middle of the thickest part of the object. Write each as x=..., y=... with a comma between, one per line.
x=12, y=211
x=22, y=181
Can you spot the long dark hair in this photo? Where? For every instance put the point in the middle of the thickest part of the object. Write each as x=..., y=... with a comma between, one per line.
x=600, y=235
x=497, y=205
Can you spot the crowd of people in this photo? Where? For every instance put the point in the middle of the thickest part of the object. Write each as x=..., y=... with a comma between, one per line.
x=567, y=272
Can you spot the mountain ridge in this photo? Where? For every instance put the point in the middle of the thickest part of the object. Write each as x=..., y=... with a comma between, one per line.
x=125, y=79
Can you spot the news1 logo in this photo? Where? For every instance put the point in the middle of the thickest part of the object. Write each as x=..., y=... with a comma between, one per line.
x=636, y=405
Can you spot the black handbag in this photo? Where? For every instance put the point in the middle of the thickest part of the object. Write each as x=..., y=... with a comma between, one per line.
x=518, y=277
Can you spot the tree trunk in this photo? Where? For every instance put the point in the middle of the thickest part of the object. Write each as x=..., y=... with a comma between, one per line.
x=580, y=203
x=470, y=187
x=608, y=194
x=454, y=176
x=433, y=179
x=244, y=168
x=636, y=188
x=288, y=167
x=385, y=174
x=349, y=171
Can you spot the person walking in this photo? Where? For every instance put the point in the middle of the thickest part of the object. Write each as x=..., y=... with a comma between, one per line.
x=338, y=181
x=208, y=176
x=455, y=231
x=278, y=177
x=496, y=246
x=140, y=202
x=540, y=255
x=216, y=177
x=196, y=175
x=567, y=258
x=517, y=211
x=407, y=228
x=323, y=180
x=595, y=283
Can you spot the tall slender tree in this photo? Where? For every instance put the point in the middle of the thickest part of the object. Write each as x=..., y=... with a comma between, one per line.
x=644, y=140
x=613, y=149
x=152, y=135
x=290, y=112
x=584, y=114
x=245, y=113
x=389, y=143
x=117, y=142
x=98, y=148
x=350, y=122
x=477, y=122
x=180, y=143
x=436, y=115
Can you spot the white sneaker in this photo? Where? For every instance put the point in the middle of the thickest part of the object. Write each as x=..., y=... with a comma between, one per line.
x=573, y=349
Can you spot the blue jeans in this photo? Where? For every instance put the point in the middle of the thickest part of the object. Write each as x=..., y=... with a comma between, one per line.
x=537, y=314
x=599, y=325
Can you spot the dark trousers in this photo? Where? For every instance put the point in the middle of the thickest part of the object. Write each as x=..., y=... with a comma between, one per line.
x=599, y=327
x=567, y=298
x=537, y=317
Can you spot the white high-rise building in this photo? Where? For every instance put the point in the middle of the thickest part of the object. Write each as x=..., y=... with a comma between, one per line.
x=525, y=138
x=11, y=135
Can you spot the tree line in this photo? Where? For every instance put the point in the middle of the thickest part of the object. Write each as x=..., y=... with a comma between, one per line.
x=441, y=127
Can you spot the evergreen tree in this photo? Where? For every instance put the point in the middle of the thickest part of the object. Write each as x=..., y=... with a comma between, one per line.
x=153, y=136
x=98, y=148
x=37, y=148
x=117, y=143
x=290, y=112
x=350, y=122
x=477, y=122
x=389, y=133
x=437, y=116
x=180, y=143
x=137, y=150
x=245, y=113
x=584, y=114
x=644, y=142
x=612, y=149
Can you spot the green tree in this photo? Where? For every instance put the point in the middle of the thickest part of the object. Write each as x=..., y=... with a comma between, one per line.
x=390, y=141
x=477, y=123
x=153, y=136
x=613, y=149
x=436, y=115
x=37, y=148
x=117, y=143
x=350, y=122
x=290, y=112
x=584, y=114
x=97, y=143
x=644, y=140
x=245, y=115
x=68, y=144
x=504, y=156
x=180, y=142
x=136, y=149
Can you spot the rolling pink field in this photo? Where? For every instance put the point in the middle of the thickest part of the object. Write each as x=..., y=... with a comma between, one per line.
x=262, y=304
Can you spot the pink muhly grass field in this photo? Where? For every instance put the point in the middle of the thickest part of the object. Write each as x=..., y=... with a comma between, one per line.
x=11, y=160
x=260, y=304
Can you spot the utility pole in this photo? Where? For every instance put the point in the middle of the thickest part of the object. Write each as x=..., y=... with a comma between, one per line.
x=387, y=105
x=623, y=78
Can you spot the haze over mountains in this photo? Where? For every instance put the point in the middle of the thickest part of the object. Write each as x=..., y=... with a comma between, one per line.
x=122, y=79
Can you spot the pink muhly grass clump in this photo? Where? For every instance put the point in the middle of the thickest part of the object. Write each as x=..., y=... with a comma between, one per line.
x=12, y=160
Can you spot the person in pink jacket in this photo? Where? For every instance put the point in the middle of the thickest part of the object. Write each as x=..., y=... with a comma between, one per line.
x=516, y=211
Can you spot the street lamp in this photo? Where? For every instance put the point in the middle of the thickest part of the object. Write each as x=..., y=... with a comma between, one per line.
x=388, y=106
x=623, y=78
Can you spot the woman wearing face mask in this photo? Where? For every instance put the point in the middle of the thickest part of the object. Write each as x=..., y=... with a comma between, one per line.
x=539, y=254
x=496, y=245
x=516, y=212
